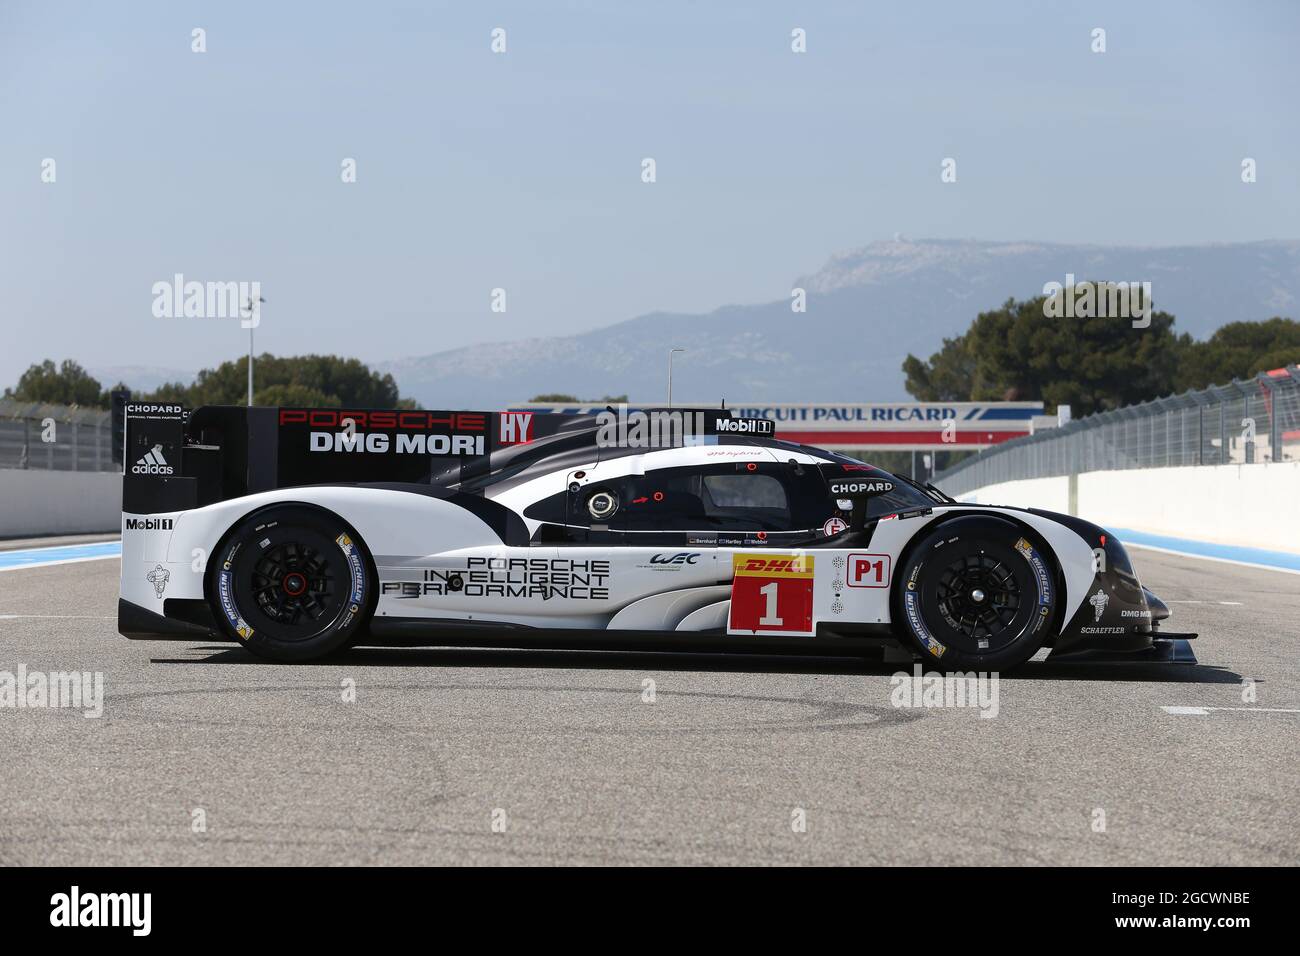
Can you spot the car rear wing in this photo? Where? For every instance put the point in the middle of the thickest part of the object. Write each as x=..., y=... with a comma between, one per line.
x=175, y=459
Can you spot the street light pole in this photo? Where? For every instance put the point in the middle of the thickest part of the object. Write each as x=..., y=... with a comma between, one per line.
x=671, y=353
x=252, y=309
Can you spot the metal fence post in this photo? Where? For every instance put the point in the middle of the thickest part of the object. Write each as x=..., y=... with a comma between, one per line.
x=1223, y=433
x=1184, y=456
x=1249, y=451
x=1200, y=434
x=1274, y=432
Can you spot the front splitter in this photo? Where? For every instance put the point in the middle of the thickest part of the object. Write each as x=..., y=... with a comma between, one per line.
x=1166, y=649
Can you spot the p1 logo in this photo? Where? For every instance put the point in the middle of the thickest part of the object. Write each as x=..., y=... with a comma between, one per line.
x=867, y=571
x=772, y=594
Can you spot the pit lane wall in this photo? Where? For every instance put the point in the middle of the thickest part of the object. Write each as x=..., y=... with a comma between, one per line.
x=36, y=503
x=1248, y=506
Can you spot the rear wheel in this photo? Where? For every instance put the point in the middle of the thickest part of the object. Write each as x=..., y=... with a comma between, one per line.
x=292, y=583
x=977, y=593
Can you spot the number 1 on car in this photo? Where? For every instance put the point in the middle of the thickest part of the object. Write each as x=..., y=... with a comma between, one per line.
x=771, y=594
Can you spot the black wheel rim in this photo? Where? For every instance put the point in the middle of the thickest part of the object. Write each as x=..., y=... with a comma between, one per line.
x=293, y=585
x=979, y=599
x=980, y=594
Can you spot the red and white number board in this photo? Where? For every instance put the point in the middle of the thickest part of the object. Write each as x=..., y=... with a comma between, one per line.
x=868, y=571
x=772, y=594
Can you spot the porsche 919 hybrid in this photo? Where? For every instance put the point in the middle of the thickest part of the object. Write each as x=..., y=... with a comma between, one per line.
x=298, y=532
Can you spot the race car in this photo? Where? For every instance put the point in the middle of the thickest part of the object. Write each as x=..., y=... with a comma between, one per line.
x=299, y=532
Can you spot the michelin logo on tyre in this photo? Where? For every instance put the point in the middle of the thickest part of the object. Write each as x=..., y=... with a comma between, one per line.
x=1042, y=576
x=358, y=572
x=912, y=607
x=226, y=596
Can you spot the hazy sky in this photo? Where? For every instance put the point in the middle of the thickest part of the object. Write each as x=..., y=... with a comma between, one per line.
x=522, y=170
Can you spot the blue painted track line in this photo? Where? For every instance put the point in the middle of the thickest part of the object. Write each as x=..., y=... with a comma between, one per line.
x=59, y=554
x=1253, y=557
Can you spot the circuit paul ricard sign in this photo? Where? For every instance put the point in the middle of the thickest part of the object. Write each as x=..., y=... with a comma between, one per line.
x=876, y=426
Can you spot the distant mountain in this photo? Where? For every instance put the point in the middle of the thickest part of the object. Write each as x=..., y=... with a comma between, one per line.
x=866, y=310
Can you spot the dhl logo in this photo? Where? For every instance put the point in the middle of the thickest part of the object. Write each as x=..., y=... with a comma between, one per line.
x=773, y=565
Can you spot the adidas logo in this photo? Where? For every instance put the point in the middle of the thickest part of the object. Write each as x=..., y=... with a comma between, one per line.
x=152, y=463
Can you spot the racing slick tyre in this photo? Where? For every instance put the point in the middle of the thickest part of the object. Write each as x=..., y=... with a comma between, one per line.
x=977, y=593
x=292, y=583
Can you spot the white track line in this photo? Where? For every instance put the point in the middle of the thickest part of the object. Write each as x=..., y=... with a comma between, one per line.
x=78, y=617
x=1204, y=711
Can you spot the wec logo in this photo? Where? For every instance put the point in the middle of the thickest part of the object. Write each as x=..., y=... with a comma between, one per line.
x=683, y=557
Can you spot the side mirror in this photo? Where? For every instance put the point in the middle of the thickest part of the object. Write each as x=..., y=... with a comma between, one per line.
x=857, y=492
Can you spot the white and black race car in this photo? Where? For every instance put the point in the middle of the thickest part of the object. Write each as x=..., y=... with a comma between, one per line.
x=299, y=532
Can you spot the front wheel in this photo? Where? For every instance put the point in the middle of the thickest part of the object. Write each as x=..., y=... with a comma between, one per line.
x=292, y=583
x=977, y=593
